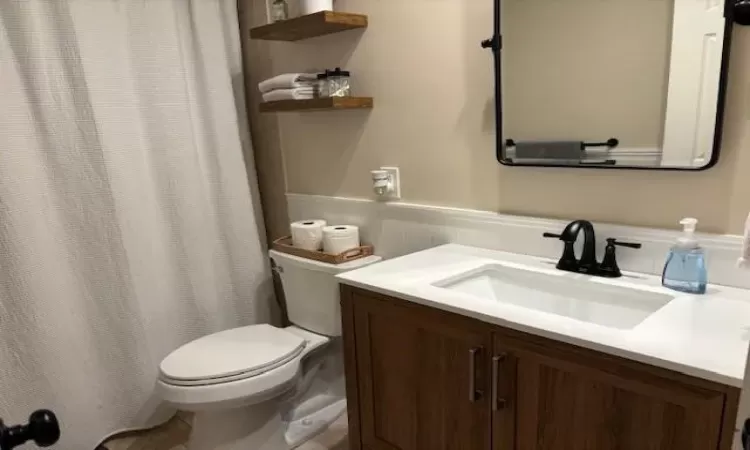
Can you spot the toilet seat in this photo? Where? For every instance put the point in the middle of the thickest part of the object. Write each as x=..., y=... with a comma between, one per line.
x=231, y=355
x=227, y=393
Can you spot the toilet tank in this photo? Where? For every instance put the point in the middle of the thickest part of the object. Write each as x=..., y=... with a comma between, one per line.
x=312, y=291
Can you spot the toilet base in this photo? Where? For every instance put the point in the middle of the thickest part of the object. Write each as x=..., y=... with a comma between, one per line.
x=302, y=430
x=256, y=427
x=279, y=418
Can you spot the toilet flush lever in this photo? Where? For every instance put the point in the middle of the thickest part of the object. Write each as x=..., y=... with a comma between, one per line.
x=276, y=268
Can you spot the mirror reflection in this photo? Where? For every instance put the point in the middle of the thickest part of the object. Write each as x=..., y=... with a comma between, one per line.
x=612, y=84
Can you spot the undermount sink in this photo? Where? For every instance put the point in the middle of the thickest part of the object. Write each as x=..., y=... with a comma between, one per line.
x=581, y=298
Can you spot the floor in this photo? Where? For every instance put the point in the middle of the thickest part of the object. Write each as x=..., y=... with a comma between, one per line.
x=174, y=434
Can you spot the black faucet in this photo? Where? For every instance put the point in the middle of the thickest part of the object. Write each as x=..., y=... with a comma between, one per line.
x=568, y=261
x=587, y=263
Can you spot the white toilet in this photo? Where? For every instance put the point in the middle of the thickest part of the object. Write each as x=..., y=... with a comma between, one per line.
x=261, y=387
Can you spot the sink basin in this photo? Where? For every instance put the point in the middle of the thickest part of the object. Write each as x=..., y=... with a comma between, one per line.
x=581, y=298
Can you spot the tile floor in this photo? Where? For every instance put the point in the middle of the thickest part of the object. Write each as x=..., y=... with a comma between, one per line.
x=174, y=434
x=170, y=436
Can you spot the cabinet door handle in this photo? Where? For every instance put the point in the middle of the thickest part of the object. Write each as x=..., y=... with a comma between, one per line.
x=497, y=403
x=473, y=393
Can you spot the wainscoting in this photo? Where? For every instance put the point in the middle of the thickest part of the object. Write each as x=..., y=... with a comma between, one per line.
x=399, y=228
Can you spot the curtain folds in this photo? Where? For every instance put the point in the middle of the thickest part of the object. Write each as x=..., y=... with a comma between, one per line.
x=127, y=223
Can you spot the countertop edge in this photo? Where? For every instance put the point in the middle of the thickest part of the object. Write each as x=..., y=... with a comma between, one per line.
x=693, y=371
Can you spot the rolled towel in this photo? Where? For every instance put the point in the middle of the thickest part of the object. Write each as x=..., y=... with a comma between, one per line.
x=302, y=93
x=288, y=81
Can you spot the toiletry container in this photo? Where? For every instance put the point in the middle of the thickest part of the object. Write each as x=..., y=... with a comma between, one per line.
x=321, y=86
x=279, y=10
x=334, y=83
x=685, y=269
x=339, y=84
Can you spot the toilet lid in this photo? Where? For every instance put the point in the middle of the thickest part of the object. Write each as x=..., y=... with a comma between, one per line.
x=247, y=351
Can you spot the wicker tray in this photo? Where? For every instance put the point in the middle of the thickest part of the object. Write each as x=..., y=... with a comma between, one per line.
x=284, y=245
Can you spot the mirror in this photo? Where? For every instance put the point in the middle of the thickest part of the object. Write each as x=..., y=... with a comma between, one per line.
x=612, y=84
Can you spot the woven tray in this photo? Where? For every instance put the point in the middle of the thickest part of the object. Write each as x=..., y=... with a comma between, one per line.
x=284, y=245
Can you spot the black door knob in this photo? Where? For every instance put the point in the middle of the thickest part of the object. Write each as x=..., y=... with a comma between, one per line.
x=742, y=12
x=43, y=428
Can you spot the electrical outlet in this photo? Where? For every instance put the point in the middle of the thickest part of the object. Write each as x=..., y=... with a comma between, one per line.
x=395, y=192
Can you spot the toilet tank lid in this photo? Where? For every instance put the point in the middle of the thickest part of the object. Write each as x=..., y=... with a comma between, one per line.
x=311, y=264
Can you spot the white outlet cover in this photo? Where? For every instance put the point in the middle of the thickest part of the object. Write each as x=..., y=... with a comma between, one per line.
x=396, y=176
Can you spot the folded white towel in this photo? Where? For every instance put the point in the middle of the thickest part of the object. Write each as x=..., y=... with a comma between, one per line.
x=287, y=81
x=301, y=93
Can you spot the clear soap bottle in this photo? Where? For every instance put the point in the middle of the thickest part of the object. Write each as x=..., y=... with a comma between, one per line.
x=685, y=269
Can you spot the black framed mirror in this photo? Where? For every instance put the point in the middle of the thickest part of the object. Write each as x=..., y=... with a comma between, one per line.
x=615, y=85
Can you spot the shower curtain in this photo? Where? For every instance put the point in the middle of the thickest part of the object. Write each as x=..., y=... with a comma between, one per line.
x=127, y=223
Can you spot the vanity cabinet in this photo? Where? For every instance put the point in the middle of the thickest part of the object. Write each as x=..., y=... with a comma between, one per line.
x=419, y=378
x=562, y=398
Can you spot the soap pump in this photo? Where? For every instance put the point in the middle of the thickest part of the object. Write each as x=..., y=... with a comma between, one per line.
x=685, y=269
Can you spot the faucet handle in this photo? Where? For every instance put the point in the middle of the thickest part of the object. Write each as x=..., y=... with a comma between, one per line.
x=609, y=267
x=612, y=241
x=568, y=261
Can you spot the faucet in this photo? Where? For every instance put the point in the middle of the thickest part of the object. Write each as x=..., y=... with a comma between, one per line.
x=568, y=261
x=588, y=263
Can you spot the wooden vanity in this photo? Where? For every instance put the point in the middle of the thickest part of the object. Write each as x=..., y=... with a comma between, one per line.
x=419, y=378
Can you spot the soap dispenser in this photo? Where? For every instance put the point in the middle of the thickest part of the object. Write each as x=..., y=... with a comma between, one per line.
x=685, y=269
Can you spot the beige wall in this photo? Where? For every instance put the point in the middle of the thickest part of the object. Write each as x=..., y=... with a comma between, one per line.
x=433, y=118
x=586, y=70
x=263, y=128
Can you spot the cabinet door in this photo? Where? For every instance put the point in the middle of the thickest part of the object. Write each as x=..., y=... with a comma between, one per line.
x=567, y=399
x=422, y=378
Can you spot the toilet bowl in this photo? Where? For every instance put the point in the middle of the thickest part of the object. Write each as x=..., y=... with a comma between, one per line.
x=261, y=387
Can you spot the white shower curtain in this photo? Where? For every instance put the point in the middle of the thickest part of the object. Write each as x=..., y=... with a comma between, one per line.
x=127, y=224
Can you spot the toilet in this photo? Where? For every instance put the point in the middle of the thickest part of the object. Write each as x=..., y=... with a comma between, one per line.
x=261, y=387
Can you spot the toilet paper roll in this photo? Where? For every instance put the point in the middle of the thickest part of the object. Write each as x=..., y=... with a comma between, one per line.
x=313, y=6
x=308, y=234
x=339, y=238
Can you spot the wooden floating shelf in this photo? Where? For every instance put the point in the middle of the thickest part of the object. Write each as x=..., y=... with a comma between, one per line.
x=312, y=25
x=318, y=104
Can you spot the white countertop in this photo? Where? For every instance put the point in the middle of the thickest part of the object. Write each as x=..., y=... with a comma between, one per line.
x=705, y=336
